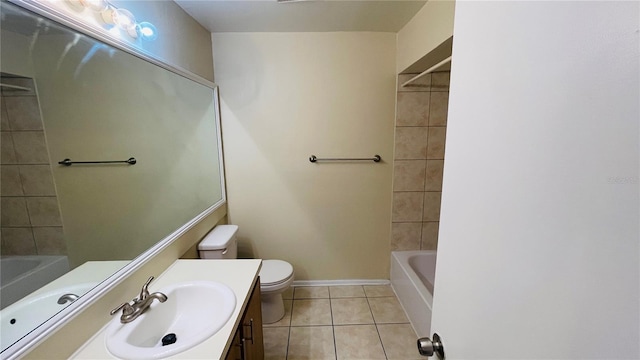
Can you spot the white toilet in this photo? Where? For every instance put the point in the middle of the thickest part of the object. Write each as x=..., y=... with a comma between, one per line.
x=276, y=276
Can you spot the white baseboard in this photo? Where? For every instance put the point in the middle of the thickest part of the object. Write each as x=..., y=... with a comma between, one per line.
x=339, y=282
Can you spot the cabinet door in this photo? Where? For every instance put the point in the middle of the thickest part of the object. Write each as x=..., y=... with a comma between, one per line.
x=251, y=327
x=235, y=352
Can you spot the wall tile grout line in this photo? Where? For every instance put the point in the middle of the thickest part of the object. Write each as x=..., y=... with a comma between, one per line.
x=426, y=171
x=29, y=196
x=24, y=118
x=35, y=243
x=405, y=203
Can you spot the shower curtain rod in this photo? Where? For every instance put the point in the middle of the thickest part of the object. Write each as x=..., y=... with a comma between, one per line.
x=428, y=71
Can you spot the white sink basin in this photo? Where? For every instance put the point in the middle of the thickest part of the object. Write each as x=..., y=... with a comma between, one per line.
x=194, y=311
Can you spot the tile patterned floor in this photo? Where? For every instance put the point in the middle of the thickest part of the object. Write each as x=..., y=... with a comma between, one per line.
x=340, y=323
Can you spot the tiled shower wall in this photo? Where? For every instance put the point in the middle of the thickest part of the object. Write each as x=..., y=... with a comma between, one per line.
x=30, y=215
x=421, y=123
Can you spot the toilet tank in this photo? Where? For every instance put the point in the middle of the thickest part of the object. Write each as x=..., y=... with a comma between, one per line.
x=219, y=243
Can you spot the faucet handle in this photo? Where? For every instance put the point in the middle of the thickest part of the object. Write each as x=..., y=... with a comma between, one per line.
x=145, y=289
x=126, y=308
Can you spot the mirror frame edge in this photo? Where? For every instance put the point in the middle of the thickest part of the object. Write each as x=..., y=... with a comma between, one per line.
x=43, y=9
x=63, y=317
x=44, y=330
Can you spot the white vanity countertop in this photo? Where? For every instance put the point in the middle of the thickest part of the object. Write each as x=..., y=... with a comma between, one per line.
x=239, y=275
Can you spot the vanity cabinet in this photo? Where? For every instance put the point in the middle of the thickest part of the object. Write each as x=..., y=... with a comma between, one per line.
x=247, y=342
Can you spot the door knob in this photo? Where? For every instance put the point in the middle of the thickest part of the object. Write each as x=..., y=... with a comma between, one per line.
x=427, y=347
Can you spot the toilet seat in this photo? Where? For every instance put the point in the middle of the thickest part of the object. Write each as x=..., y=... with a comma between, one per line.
x=275, y=275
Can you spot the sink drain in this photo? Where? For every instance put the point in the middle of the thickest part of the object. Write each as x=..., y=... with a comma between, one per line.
x=169, y=339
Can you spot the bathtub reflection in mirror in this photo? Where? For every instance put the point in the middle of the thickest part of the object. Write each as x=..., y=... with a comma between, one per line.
x=65, y=95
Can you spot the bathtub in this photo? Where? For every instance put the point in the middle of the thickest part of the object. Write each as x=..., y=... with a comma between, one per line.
x=23, y=316
x=412, y=279
x=22, y=275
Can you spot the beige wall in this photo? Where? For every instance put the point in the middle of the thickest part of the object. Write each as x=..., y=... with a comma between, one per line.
x=182, y=41
x=284, y=97
x=17, y=61
x=430, y=27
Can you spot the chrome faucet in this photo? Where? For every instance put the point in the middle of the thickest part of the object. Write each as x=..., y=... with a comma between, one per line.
x=131, y=311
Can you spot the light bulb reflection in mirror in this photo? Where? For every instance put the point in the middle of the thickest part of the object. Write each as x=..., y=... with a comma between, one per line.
x=124, y=19
x=147, y=31
x=95, y=5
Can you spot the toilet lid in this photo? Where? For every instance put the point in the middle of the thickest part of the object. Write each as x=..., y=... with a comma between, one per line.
x=275, y=271
x=218, y=238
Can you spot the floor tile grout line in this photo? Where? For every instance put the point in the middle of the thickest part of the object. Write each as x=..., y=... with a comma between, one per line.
x=306, y=326
x=286, y=356
x=333, y=325
x=381, y=343
x=377, y=330
x=333, y=329
x=286, y=353
x=291, y=313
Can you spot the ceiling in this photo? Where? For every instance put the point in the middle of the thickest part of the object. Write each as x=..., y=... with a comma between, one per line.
x=301, y=16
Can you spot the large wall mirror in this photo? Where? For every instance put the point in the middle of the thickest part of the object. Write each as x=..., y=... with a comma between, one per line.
x=65, y=228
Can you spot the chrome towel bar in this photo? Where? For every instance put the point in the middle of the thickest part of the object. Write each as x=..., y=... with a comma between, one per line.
x=68, y=162
x=375, y=158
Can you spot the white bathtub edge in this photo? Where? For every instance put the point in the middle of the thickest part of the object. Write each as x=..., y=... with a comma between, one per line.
x=51, y=267
x=411, y=292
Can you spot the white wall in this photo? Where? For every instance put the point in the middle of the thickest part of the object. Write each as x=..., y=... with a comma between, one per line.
x=284, y=97
x=430, y=27
x=539, y=234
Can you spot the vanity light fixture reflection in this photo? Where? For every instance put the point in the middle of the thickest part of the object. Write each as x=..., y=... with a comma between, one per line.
x=95, y=5
x=125, y=20
x=121, y=18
